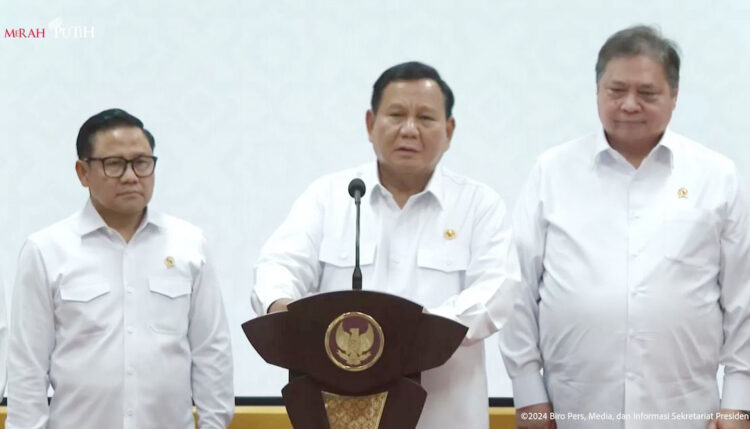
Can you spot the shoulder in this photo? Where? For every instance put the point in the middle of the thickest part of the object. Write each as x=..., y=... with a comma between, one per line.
x=334, y=186
x=59, y=233
x=694, y=153
x=465, y=193
x=174, y=225
x=571, y=151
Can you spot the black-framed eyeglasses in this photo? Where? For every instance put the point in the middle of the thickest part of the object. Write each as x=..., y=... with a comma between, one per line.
x=115, y=166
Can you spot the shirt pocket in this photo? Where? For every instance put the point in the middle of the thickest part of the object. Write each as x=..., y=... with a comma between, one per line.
x=447, y=259
x=341, y=254
x=337, y=263
x=169, y=302
x=441, y=272
x=84, y=307
x=691, y=237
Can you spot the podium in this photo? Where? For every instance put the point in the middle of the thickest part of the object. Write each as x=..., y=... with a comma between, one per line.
x=354, y=357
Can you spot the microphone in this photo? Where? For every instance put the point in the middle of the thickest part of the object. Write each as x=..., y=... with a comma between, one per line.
x=357, y=190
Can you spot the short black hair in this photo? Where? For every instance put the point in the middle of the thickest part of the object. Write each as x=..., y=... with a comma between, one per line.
x=106, y=120
x=412, y=70
x=642, y=40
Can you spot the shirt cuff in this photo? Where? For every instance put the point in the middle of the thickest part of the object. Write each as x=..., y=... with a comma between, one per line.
x=736, y=392
x=528, y=389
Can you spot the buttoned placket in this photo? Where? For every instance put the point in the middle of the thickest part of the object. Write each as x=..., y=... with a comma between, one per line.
x=130, y=323
x=640, y=189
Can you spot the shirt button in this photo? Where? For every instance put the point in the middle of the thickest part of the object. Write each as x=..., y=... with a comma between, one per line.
x=630, y=376
x=130, y=330
x=131, y=412
x=342, y=255
x=129, y=289
x=130, y=370
x=634, y=254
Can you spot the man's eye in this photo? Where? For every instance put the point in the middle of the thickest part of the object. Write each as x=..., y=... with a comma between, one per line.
x=396, y=115
x=426, y=118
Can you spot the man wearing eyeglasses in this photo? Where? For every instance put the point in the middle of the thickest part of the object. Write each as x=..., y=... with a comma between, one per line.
x=117, y=307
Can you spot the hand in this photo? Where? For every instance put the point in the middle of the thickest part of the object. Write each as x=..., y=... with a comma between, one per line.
x=279, y=305
x=730, y=419
x=535, y=416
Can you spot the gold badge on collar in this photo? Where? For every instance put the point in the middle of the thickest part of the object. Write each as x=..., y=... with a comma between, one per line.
x=682, y=193
x=169, y=262
x=449, y=234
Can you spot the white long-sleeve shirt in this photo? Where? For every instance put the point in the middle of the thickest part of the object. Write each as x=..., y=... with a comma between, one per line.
x=127, y=334
x=449, y=249
x=3, y=338
x=637, y=285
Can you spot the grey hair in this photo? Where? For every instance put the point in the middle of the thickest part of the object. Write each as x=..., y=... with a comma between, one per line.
x=642, y=40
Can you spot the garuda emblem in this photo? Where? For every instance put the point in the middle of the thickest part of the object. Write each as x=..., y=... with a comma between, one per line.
x=354, y=341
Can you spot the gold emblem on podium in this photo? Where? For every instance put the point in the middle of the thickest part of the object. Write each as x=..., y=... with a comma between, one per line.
x=169, y=262
x=449, y=234
x=682, y=193
x=354, y=341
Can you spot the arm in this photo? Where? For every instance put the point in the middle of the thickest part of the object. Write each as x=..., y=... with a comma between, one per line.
x=734, y=279
x=211, y=351
x=3, y=339
x=32, y=340
x=288, y=267
x=519, y=341
x=492, y=276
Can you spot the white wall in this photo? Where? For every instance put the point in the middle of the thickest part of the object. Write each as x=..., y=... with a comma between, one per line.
x=251, y=100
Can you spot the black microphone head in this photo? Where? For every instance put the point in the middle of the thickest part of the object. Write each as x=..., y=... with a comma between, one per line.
x=357, y=185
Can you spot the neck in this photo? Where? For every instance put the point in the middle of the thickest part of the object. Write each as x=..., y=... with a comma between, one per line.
x=403, y=186
x=126, y=224
x=634, y=151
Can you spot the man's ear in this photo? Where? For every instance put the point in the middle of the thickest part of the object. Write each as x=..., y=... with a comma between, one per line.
x=450, y=126
x=82, y=170
x=369, y=122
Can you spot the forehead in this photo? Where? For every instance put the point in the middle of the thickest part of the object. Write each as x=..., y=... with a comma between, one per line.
x=639, y=69
x=122, y=140
x=421, y=92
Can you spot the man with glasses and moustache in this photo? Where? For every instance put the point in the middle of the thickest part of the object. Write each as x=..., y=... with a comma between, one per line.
x=117, y=307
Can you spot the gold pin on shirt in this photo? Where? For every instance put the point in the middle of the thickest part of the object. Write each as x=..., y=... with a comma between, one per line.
x=169, y=262
x=682, y=193
x=449, y=234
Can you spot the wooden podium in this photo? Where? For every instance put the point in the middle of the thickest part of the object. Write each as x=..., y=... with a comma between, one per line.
x=354, y=358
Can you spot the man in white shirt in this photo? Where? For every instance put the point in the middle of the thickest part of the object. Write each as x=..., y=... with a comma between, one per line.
x=3, y=338
x=429, y=235
x=634, y=248
x=117, y=307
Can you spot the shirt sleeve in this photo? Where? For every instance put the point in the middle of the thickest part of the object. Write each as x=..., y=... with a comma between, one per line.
x=211, y=351
x=492, y=276
x=288, y=266
x=519, y=341
x=734, y=280
x=32, y=339
x=3, y=339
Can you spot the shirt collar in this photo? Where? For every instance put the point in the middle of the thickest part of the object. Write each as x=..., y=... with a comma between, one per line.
x=371, y=178
x=89, y=220
x=667, y=145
